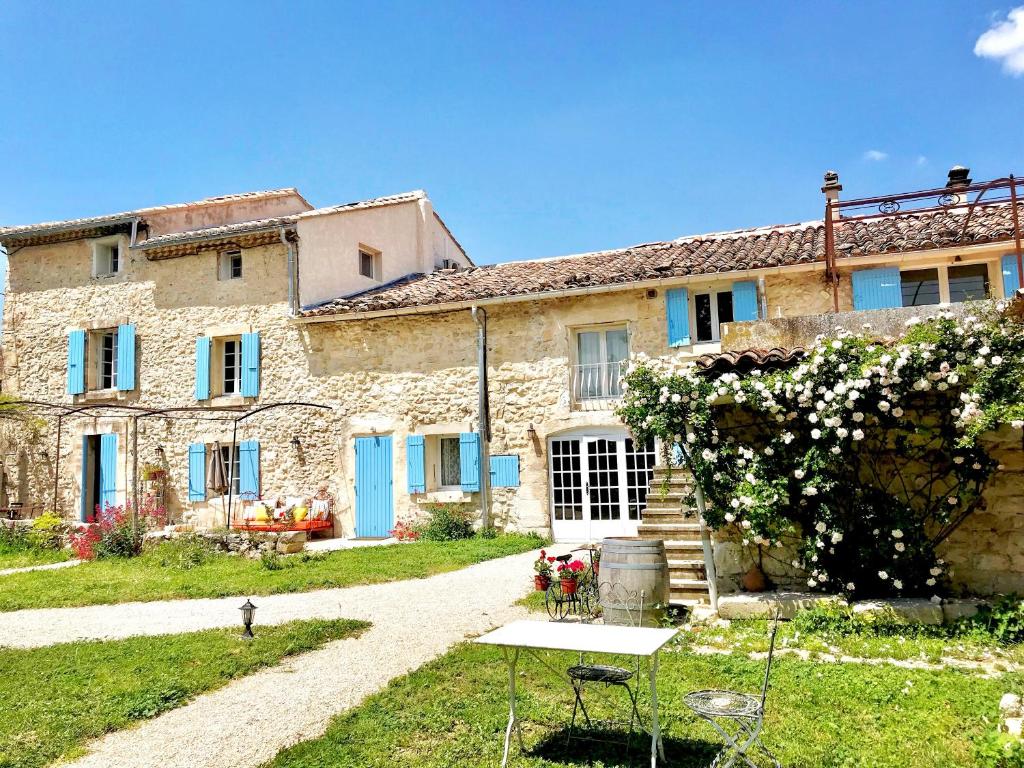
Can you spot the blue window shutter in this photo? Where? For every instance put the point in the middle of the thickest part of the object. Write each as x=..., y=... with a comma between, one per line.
x=126, y=358
x=86, y=512
x=197, y=472
x=203, y=368
x=414, y=464
x=1011, y=279
x=76, y=362
x=877, y=288
x=251, y=364
x=677, y=308
x=249, y=468
x=108, y=471
x=469, y=460
x=504, y=471
x=744, y=301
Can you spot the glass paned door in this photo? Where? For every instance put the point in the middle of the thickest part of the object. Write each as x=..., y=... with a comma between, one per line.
x=598, y=486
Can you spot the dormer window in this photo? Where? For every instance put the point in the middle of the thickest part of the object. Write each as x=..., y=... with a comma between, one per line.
x=229, y=265
x=369, y=263
x=106, y=257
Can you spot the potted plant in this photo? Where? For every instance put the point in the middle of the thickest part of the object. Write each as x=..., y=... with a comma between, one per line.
x=152, y=472
x=569, y=575
x=542, y=571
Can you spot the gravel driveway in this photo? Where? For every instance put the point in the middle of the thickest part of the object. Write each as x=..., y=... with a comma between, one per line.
x=250, y=720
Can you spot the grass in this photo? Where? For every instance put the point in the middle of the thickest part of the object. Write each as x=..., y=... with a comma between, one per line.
x=155, y=576
x=14, y=556
x=54, y=699
x=453, y=711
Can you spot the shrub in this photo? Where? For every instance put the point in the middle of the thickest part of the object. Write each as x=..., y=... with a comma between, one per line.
x=1003, y=620
x=270, y=560
x=47, y=532
x=446, y=522
x=113, y=532
x=404, y=532
x=999, y=750
x=184, y=553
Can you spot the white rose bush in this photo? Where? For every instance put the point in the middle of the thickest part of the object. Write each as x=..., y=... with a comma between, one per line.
x=863, y=458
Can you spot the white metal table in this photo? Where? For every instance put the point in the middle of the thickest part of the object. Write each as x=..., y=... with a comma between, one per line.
x=532, y=636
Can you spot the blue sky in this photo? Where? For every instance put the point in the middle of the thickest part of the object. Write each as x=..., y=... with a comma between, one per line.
x=537, y=128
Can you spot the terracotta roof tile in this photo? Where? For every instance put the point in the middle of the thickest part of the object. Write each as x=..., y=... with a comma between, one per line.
x=698, y=255
x=748, y=359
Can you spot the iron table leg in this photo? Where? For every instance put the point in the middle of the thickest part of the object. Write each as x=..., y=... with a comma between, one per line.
x=513, y=721
x=657, y=747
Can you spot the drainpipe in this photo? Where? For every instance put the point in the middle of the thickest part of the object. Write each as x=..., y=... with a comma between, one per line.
x=483, y=415
x=293, y=274
x=135, y=232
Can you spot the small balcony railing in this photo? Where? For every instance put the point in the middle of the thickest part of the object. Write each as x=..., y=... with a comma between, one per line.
x=597, y=381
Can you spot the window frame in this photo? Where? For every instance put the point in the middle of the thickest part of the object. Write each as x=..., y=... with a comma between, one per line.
x=233, y=469
x=375, y=262
x=226, y=265
x=716, y=322
x=94, y=359
x=442, y=441
x=105, y=252
x=219, y=374
x=943, y=273
x=607, y=390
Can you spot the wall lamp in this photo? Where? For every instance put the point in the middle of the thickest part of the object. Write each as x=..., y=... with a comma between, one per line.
x=296, y=443
x=531, y=432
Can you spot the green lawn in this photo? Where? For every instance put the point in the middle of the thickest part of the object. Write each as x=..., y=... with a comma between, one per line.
x=452, y=713
x=54, y=699
x=154, y=576
x=12, y=556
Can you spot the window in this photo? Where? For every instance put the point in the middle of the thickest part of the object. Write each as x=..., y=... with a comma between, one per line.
x=920, y=287
x=107, y=360
x=232, y=366
x=232, y=466
x=106, y=257
x=229, y=266
x=599, y=358
x=711, y=310
x=968, y=282
x=369, y=263
x=451, y=467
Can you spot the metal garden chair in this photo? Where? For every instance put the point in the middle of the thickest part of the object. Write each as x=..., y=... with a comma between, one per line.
x=738, y=717
x=583, y=673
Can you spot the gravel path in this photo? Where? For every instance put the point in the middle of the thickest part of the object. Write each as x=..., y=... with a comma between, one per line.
x=47, y=567
x=250, y=720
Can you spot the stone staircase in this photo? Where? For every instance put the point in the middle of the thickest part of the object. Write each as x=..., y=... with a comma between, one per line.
x=670, y=518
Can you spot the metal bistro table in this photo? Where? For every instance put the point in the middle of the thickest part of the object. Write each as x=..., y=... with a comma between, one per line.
x=533, y=636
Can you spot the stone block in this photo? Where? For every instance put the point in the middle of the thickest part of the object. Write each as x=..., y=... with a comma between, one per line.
x=1010, y=705
x=762, y=605
x=290, y=542
x=1013, y=726
x=912, y=610
x=954, y=609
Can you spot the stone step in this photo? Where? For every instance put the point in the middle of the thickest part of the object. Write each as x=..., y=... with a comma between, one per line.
x=690, y=564
x=684, y=549
x=675, y=530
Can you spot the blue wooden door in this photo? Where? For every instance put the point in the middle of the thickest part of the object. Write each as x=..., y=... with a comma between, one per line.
x=108, y=471
x=373, y=486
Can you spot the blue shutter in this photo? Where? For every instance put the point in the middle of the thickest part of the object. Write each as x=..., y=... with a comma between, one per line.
x=677, y=308
x=126, y=357
x=86, y=512
x=1011, y=278
x=744, y=301
x=504, y=471
x=76, y=362
x=469, y=461
x=203, y=368
x=414, y=465
x=108, y=471
x=877, y=288
x=251, y=364
x=197, y=472
x=249, y=469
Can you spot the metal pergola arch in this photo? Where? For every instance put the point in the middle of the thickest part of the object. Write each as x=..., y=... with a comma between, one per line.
x=132, y=414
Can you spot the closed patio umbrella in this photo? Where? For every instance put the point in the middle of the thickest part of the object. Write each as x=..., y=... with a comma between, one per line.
x=216, y=472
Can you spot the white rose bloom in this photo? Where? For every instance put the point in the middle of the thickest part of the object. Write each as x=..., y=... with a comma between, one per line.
x=897, y=534
x=749, y=477
x=900, y=546
x=850, y=586
x=836, y=450
x=858, y=434
x=735, y=503
x=843, y=367
x=996, y=360
x=930, y=582
x=842, y=432
x=858, y=416
x=810, y=490
x=1017, y=424
x=729, y=517
x=837, y=537
x=813, y=418
x=984, y=350
x=821, y=527
x=883, y=575
x=952, y=501
x=934, y=571
x=815, y=433
x=812, y=583
x=897, y=412
x=745, y=524
x=884, y=406
x=897, y=583
x=676, y=397
x=798, y=474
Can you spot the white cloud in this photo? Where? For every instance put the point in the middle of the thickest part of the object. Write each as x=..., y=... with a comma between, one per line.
x=876, y=155
x=1004, y=41
x=922, y=160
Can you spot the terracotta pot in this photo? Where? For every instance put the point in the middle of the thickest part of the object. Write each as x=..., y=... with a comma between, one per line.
x=541, y=582
x=754, y=580
x=568, y=586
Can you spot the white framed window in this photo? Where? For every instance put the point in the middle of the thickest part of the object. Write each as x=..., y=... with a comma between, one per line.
x=229, y=265
x=710, y=310
x=945, y=284
x=450, y=466
x=232, y=465
x=101, y=353
x=370, y=263
x=601, y=353
x=227, y=369
x=107, y=258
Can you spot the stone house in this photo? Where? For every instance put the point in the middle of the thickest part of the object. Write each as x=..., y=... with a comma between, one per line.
x=373, y=309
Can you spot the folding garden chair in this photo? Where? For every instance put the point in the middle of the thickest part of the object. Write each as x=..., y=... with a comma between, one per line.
x=631, y=605
x=738, y=717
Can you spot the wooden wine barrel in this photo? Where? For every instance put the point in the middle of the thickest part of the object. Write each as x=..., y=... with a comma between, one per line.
x=630, y=566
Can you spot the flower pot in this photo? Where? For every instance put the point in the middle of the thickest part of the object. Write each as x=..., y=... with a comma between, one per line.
x=754, y=580
x=541, y=582
x=568, y=586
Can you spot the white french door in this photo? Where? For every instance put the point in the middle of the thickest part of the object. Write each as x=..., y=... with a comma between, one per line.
x=598, y=486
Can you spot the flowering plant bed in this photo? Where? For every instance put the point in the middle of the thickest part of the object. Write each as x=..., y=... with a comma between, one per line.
x=404, y=532
x=863, y=458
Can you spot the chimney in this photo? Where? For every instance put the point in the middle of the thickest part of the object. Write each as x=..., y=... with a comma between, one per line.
x=958, y=180
x=832, y=188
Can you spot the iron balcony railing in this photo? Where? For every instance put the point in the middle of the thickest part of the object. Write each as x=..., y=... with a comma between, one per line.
x=597, y=381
